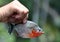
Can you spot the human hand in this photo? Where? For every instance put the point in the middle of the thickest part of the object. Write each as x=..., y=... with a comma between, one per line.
x=14, y=12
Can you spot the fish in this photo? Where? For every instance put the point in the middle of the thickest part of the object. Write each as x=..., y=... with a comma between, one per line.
x=28, y=30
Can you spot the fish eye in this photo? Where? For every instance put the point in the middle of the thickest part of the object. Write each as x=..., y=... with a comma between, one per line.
x=39, y=30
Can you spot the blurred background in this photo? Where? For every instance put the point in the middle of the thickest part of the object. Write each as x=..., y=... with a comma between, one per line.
x=46, y=13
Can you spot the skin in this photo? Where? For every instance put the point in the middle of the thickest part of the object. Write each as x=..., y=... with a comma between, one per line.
x=14, y=12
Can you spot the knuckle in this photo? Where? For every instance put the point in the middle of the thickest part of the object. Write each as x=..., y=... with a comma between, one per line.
x=26, y=11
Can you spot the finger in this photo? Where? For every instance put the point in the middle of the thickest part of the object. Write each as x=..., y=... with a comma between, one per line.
x=25, y=19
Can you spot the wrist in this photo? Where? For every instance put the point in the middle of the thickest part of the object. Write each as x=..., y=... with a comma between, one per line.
x=4, y=12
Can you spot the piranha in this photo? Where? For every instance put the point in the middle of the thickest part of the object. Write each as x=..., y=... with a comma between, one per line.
x=28, y=30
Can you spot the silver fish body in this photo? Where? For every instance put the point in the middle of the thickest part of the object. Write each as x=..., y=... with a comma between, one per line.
x=24, y=30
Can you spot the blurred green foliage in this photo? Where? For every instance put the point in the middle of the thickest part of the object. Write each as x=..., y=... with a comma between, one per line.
x=55, y=4
x=4, y=35
x=4, y=2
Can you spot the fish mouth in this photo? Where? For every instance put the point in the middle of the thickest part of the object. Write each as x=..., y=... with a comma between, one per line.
x=35, y=34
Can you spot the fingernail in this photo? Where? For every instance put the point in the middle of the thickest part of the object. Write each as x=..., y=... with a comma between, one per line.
x=24, y=21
